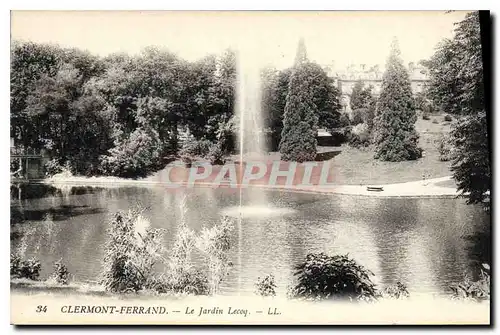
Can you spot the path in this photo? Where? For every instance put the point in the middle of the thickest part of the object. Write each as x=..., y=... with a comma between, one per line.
x=420, y=188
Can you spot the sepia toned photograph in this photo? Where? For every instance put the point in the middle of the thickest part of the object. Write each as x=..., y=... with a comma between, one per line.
x=250, y=168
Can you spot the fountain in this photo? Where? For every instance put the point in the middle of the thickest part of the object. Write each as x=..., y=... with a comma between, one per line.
x=251, y=140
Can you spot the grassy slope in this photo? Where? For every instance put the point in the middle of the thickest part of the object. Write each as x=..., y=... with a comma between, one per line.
x=355, y=166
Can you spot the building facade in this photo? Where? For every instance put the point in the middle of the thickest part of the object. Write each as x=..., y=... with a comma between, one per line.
x=345, y=79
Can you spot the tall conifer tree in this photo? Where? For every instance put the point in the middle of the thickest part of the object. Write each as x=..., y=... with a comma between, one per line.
x=300, y=121
x=395, y=136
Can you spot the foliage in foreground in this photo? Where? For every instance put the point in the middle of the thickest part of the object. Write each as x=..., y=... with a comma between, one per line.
x=333, y=277
x=396, y=291
x=214, y=243
x=474, y=290
x=266, y=287
x=29, y=268
x=182, y=277
x=132, y=249
x=61, y=274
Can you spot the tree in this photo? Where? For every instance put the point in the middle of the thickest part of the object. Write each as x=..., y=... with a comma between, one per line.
x=395, y=136
x=274, y=92
x=300, y=122
x=471, y=165
x=88, y=110
x=357, y=100
x=456, y=70
x=29, y=61
x=301, y=55
x=363, y=104
x=326, y=97
x=50, y=104
x=456, y=85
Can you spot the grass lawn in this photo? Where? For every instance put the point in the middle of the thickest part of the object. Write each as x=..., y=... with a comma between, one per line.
x=351, y=166
x=357, y=166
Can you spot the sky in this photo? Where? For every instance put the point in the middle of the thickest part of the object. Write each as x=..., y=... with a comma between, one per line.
x=269, y=38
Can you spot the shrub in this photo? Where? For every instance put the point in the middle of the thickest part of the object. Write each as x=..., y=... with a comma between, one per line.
x=420, y=100
x=396, y=291
x=52, y=167
x=191, y=281
x=341, y=135
x=333, y=277
x=445, y=148
x=15, y=265
x=61, y=273
x=29, y=269
x=358, y=116
x=183, y=278
x=360, y=135
x=136, y=156
x=447, y=118
x=435, y=121
x=266, y=286
x=216, y=155
x=474, y=290
x=131, y=250
x=196, y=148
x=344, y=120
x=215, y=243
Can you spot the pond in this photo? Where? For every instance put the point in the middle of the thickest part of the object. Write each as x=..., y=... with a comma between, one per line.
x=428, y=244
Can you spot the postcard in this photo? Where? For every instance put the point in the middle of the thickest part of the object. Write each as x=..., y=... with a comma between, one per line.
x=250, y=168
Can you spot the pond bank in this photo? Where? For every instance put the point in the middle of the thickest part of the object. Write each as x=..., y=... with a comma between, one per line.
x=430, y=188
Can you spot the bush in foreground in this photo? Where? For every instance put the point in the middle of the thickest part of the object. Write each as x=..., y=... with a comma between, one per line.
x=61, y=274
x=266, y=287
x=215, y=244
x=183, y=277
x=474, y=290
x=396, y=291
x=29, y=268
x=131, y=250
x=332, y=277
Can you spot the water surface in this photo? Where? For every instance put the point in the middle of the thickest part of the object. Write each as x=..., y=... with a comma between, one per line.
x=427, y=244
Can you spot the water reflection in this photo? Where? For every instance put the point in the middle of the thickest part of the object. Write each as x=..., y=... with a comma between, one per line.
x=425, y=243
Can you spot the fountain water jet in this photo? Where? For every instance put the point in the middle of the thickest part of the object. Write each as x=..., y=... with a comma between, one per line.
x=251, y=137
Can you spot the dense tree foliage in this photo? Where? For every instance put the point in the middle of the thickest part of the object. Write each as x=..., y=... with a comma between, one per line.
x=324, y=94
x=127, y=115
x=456, y=70
x=363, y=104
x=300, y=121
x=456, y=86
x=395, y=136
x=117, y=115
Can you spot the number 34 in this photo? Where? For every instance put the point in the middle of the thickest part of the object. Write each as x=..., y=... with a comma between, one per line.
x=41, y=309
